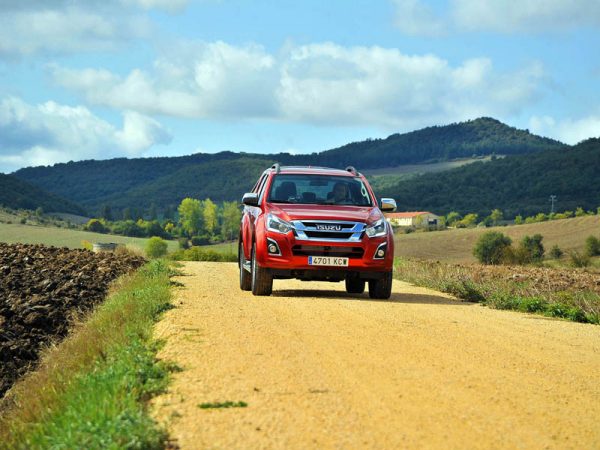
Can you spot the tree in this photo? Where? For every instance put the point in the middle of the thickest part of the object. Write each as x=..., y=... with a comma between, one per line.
x=519, y=220
x=127, y=214
x=156, y=247
x=592, y=246
x=452, y=218
x=39, y=212
x=95, y=226
x=491, y=246
x=468, y=221
x=152, y=212
x=531, y=249
x=190, y=216
x=231, y=220
x=106, y=213
x=496, y=216
x=209, y=216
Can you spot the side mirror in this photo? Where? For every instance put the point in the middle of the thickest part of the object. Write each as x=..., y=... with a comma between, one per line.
x=250, y=199
x=388, y=204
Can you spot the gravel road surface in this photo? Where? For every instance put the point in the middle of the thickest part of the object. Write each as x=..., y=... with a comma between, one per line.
x=319, y=368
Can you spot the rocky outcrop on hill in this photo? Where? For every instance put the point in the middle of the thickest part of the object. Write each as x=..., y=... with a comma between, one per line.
x=41, y=289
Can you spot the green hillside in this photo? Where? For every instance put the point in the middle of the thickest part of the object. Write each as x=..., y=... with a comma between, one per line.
x=18, y=194
x=165, y=181
x=517, y=185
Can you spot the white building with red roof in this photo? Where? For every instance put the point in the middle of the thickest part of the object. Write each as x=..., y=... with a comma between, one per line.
x=412, y=219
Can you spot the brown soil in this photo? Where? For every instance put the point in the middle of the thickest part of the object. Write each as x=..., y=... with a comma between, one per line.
x=320, y=368
x=41, y=290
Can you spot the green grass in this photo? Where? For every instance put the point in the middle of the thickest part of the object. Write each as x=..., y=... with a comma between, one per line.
x=204, y=253
x=500, y=293
x=219, y=405
x=91, y=390
x=62, y=237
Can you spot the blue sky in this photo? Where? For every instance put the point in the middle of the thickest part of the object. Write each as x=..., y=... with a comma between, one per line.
x=136, y=78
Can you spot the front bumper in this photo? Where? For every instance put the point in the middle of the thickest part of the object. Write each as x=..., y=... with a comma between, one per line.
x=292, y=254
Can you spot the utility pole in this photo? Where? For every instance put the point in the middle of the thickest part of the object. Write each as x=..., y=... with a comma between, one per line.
x=552, y=200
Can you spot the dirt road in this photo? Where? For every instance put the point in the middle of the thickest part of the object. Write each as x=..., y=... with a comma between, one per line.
x=319, y=368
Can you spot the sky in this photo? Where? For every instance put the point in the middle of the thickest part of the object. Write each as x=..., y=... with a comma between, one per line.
x=101, y=79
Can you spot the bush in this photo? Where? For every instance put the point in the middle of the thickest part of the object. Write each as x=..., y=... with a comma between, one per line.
x=490, y=247
x=531, y=249
x=556, y=252
x=592, y=246
x=156, y=247
x=95, y=226
x=183, y=243
x=579, y=259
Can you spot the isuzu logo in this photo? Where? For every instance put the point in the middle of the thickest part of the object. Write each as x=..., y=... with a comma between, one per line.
x=324, y=227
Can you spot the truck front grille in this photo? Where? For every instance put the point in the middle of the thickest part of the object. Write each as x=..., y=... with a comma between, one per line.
x=324, y=250
x=328, y=230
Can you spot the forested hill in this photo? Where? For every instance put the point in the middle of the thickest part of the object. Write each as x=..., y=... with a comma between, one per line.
x=517, y=185
x=140, y=182
x=484, y=136
x=17, y=194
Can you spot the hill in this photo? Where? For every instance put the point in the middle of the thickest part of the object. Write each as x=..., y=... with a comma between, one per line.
x=18, y=194
x=516, y=185
x=165, y=181
x=456, y=245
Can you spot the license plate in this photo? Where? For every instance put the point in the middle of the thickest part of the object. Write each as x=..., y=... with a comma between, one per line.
x=327, y=261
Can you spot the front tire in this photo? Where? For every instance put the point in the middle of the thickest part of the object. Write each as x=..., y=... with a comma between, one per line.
x=355, y=285
x=262, y=279
x=382, y=288
x=245, y=276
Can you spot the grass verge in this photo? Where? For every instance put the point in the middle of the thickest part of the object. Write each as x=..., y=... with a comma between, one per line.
x=203, y=254
x=91, y=390
x=501, y=293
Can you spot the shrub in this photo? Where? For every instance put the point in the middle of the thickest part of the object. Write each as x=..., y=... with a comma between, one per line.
x=556, y=252
x=156, y=247
x=592, y=246
x=183, y=243
x=95, y=226
x=531, y=249
x=579, y=259
x=579, y=212
x=519, y=220
x=490, y=247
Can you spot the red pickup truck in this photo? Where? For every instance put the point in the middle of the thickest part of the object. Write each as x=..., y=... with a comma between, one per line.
x=314, y=223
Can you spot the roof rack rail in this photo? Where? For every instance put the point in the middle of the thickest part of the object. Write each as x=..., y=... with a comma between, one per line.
x=276, y=167
x=351, y=169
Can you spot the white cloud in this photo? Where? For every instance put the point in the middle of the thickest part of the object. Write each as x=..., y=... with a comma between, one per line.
x=416, y=17
x=48, y=133
x=198, y=80
x=525, y=15
x=570, y=131
x=30, y=27
x=320, y=83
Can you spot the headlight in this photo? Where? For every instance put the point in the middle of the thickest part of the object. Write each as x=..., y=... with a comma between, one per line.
x=377, y=229
x=274, y=223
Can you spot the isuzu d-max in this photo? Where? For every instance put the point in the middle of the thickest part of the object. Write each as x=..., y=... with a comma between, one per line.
x=315, y=223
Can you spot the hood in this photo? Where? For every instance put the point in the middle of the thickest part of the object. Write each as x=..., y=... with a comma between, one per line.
x=289, y=212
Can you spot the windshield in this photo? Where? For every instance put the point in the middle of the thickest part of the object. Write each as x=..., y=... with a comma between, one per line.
x=319, y=190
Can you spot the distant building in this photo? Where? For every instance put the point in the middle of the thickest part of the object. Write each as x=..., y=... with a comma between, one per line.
x=413, y=219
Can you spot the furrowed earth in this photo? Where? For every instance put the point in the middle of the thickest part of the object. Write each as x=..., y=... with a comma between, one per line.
x=42, y=289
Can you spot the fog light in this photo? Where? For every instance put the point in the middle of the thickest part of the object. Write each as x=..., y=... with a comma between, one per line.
x=381, y=251
x=272, y=247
